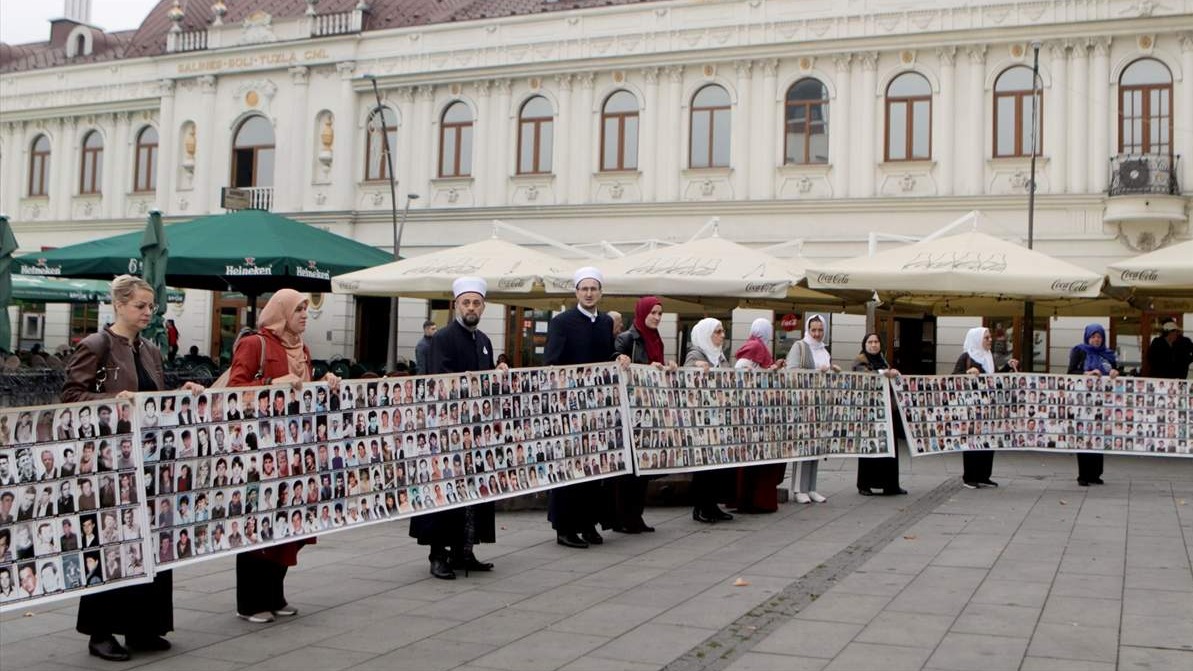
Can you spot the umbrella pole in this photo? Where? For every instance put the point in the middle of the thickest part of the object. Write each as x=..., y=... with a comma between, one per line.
x=252, y=311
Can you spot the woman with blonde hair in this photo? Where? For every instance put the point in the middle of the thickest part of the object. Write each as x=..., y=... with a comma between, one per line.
x=117, y=362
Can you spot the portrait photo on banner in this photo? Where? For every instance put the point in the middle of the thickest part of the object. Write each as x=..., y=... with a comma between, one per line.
x=71, y=515
x=251, y=467
x=689, y=419
x=1047, y=413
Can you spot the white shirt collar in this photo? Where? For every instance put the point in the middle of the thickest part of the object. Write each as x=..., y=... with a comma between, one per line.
x=592, y=316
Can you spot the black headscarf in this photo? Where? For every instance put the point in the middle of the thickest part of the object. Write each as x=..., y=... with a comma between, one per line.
x=876, y=361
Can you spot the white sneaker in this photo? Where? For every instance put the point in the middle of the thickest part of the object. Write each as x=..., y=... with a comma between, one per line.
x=259, y=618
x=815, y=496
x=801, y=497
x=286, y=611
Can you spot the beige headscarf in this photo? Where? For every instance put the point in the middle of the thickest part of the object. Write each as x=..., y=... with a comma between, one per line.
x=273, y=319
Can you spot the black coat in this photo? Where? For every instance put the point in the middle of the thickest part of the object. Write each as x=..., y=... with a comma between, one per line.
x=629, y=343
x=574, y=338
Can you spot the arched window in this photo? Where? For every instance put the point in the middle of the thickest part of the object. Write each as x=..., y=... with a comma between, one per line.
x=145, y=169
x=909, y=118
x=619, y=132
x=1014, y=104
x=535, y=136
x=709, y=147
x=253, y=153
x=376, y=166
x=806, y=122
x=1145, y=108
x=39, y=166
x=455, y=141
x=92, y=167
x=80, y=45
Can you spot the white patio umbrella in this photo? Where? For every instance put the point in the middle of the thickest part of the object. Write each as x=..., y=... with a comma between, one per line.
x=512, y=271
x=1167, y=269
x=711, y=267
x=968, y=264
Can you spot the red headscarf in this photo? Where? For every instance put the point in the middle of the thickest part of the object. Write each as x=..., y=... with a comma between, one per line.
x=650, y=337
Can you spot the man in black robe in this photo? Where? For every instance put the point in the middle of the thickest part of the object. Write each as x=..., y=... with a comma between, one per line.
x=459, y=347
x=578, y=336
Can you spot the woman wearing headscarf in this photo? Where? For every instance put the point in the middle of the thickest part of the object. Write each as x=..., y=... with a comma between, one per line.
x=142, y=613
x=878, y=472
x=261, y=574
x=626, y=494
x=1092, y=357
x=757, y=486
x=977, y=359
x=810, y=353
x=705, y=352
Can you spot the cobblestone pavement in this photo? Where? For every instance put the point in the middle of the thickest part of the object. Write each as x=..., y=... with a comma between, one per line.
x=1037, y=574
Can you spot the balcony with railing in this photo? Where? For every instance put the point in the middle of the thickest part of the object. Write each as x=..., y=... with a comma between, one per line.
x=1134, y=174
x=1144, y=205
x=220, y=34
x=191, y=40
x=338, y=23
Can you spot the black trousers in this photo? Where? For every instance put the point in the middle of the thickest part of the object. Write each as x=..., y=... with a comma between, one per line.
x=574, y=509
x=979, y=465
x=709, y=488
x=1089, y=467
x=625, y=501
x=260, y=584
x=138, y=610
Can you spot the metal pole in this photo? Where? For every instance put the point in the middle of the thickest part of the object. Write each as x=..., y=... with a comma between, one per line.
x=1029, y=307
x=391, y=350
x=392, y=353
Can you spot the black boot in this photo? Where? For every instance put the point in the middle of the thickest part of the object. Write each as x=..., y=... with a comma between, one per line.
x=440, y=568
x=106, y=647
x=466, y=561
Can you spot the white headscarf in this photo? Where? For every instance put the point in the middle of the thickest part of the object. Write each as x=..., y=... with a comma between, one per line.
x=702, y=340
x=820, y=354
x=979, y=354
x=762, y=329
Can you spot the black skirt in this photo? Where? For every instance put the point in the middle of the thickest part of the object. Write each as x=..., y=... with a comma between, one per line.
x=138, y=610
x=575, y=508
x=979, y=464
x=451, y=528
x=878, y=473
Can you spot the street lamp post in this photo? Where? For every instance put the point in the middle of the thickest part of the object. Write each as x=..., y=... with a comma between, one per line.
x=1029, y=307
x=391, y=351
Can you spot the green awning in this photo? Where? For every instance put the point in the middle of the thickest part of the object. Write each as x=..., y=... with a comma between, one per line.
x=50, y=290
x=250, y=251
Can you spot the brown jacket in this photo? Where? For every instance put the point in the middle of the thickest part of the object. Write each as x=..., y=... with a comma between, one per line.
x=122, y=372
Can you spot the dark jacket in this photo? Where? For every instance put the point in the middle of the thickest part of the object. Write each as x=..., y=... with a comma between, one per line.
x=86, y=361
x=629, y=343
x=966, y=362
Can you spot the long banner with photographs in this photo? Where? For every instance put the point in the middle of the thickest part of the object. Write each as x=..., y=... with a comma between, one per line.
x=1047, y=413
x=72, y=515
x=689, y=419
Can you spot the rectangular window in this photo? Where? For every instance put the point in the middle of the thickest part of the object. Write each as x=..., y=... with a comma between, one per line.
x=921, y=138
x=466, y=151
x=146, y=177
x=631, y=143
x=701, y=122
x=721, y=138
x=897, y=132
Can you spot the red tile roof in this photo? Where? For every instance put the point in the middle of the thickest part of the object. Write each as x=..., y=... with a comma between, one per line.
x=150, y=38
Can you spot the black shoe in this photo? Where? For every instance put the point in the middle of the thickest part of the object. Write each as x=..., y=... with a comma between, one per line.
x=898, y=491
x=592, y=537
x=441, y=569
x=1096, y=481
x=467, y=561
x=702, y=516
x=107, y=648
x=148, y=643
x=1082, y=482
x=989, y=483
x=571, y=540
x=865, y=492
x=626, y=530
x=718, y=515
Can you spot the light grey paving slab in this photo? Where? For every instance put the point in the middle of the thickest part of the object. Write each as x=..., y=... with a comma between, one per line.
x=1011, y=593
x=996, y=620
x=427, y=655
x=468, y=605
x=1067, y=641
x=590, y=663
x=809, y=639
x=888, y=657
x=388, y=633
x=1086, y=585
x=1082, y=612
x=1131, y=658
x=1172, y=580
x=189, y=662
x=1024, y=571
x=1157, y=632
x=568, y=599
x=760, y=661
x=541, y=651
x=843, y=607
x=653, y=643
x=266, y=643
x=500, y=627
x=1157, y=603
x=1079, y=562
x=975, y=652
x=1048, y=664
x=529, y=583
x=607, y=619
x=874, y=583
x=917, y=630
x=313, y=657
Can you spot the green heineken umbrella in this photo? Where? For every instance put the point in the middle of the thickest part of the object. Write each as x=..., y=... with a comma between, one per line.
x=8, y=246
x=155, y=254
x=250, y=251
